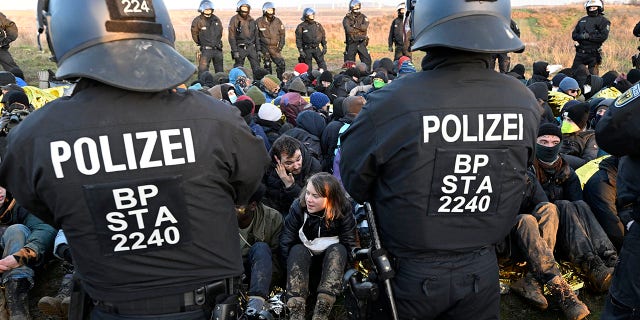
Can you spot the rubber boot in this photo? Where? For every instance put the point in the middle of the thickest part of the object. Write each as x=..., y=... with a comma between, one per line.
x=324, y=304
x=52, y=306
x=598, y=273
x=17, y=294
x=296, y=306
x=568, y=301
x=529, y=288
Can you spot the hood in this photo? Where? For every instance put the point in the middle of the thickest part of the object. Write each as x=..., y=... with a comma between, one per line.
x=540, y=68
x=311, y=122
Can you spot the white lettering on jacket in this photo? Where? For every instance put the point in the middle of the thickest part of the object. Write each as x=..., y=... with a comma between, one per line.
x=456, y=128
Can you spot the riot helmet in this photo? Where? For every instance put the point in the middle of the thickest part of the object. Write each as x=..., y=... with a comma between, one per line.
x=268, y=9
x=308, y=14
x=471, y=25
x=594, y=7
x=243, y=7
x=355, y=5
x=109, y=43
x=401, y=7
x=205, y=5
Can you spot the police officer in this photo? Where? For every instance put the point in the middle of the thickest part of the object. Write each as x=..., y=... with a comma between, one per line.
x=8, y=34
x=355, y=25
x=243, y=37
x=144, y=197
x=635, y=59
x=589, y=34
x=504, y=61
x=442, y=167
x=206, y=31
x=310, y=36
x=397, y=35
x=271, y=38
x=617, y=134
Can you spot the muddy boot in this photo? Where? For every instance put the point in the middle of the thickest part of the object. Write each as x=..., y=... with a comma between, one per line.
x=598, y=273
x=296, y=306
x=17, y=291
x=52, y=306
x=254, y=306
x=324, y=304
x=4, y=315
x=529, y=288
x=568, y=301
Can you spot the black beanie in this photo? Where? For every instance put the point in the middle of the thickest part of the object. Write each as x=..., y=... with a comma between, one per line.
x=549, y=129
x=15, y=96
x=245, y=106
x=577, y=111
x=609, y=78
x=633, y=76
x=326, y=76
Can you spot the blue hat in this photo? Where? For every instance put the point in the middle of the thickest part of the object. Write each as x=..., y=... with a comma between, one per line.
x=568, y=83
x=318, y=100
x=407, y=67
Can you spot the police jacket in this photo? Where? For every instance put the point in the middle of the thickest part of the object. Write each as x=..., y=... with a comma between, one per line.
x=243, y=32
x=310, y=34
x=355, y=27
x=560, y=182
x=636, y=30
x=39, y=242
x=281, y=197
x=396, y=32
x=405, y=151
x=343, y=227
x=8, y=31
x=579, y=147
x=271, y=33
x=144, y=195
x=207, y=32
x=596, y=27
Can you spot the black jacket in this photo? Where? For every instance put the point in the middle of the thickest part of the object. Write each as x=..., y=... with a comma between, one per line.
x=344, y=228
x=207, y=31
x=329, y=140
x=355, y=27
x=579, y=147
x=396, y=157
x=562, y=184
x=243, y=32
x=310, y=34
x=597, y=29
x=396, y=32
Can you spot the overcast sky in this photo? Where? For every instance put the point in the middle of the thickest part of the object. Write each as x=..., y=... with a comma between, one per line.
x=222, y=4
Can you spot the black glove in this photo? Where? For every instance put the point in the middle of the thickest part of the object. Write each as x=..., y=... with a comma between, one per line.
x=302, y=54
x=584, y=36
x=235, y=55
x=324, y=50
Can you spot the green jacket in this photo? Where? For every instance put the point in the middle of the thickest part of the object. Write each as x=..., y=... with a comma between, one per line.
x=265, y=227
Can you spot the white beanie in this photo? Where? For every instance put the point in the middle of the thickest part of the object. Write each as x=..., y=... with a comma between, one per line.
x=269, y=112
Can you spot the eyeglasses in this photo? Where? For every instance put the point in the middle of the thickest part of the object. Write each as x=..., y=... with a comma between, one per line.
x=572, y=91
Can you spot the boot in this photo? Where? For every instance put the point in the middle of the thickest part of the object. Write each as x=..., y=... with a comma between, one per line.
x=17, y=291
x=52, y=306
x=598, y=274
x=529, y=288
x=568, y=301
x=324, y=304
x=4, y=315
x=254, y=306
x=610, y=258
x=296, y=306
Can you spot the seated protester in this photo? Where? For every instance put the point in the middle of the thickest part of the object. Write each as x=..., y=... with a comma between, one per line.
x=567, y=91
x=292, y=104
x=270, y=88
x=308, y=130
x=324, y=83
x=597, y=108
x=387, y=65
x=25, y=243
x=247, y=108
x=613, y=85
x=406, y=68
x=351, y=106
x=256, y=95
x=318, y=234
x=555, y=81
x=16, y=107
x=600, y=194
x=540, y=74
x=518, y=73
x=271, y=120
x=238, y=78
x=298, y=86
x=541, y=93
x=378, y=80
x=578, y=144
x=292, y=164
x=533, y=239
x=224, y=92
x=206, y=80
x=581, y=240
x=320, y=104
x=58, y=305
x=344, y=83
x=301, y=70
x=260, y=228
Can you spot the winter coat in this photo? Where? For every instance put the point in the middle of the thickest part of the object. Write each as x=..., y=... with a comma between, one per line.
x=310, y=126
x=329, y=140
x=579, y=148
x=561, y=184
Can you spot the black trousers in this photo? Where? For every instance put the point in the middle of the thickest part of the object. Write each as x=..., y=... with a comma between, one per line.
x=359, y=48
x=314, y=53
x=624, y=295
x=276, y=57
x=207, y=56
x=6, y=60
x=248, y=51
x=591, y=59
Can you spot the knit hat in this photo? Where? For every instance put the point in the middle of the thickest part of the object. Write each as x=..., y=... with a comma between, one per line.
x=548, y=129
x=540, y=90
x=15, y=96
x=326, y=76
x=318, y=100
x=577, y=111
x=269, y=112
x=301, y=68
x=297, y=85
x=269, y=85
x=245, y=105
x=352, y=72
x=568, y=83
x=256, y=95
x=315, y=74
x=401, y=60
x=609, y=78
x=273, y=78
x=555, y=81
x=220, y=78
x=206, y=79
x=407, y=67
x=518, y=69
x=633, y=76
x=6, y=78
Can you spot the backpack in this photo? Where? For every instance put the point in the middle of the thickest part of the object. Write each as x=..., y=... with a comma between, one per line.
x=337, y=152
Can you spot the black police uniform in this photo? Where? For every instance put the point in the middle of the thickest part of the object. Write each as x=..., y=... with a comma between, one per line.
x=243, y=40
x=144, y=194
x=355, y=29
x=590, y=33
x=207, y=34
x=397, y=38
x=504, y=61
x=444, y=169
x=8, y=34
x=617, y=133
x=310, y=36
x=272, y=32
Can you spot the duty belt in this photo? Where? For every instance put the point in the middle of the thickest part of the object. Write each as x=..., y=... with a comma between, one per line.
x=200, y=298
x=310, y=46
x=244, y=45
x=207, y=47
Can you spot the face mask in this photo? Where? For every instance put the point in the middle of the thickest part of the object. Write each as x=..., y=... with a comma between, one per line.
x=595, y=120
x=233, y=98
x=569, y=127
x=547, y=154
x=378, y=83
